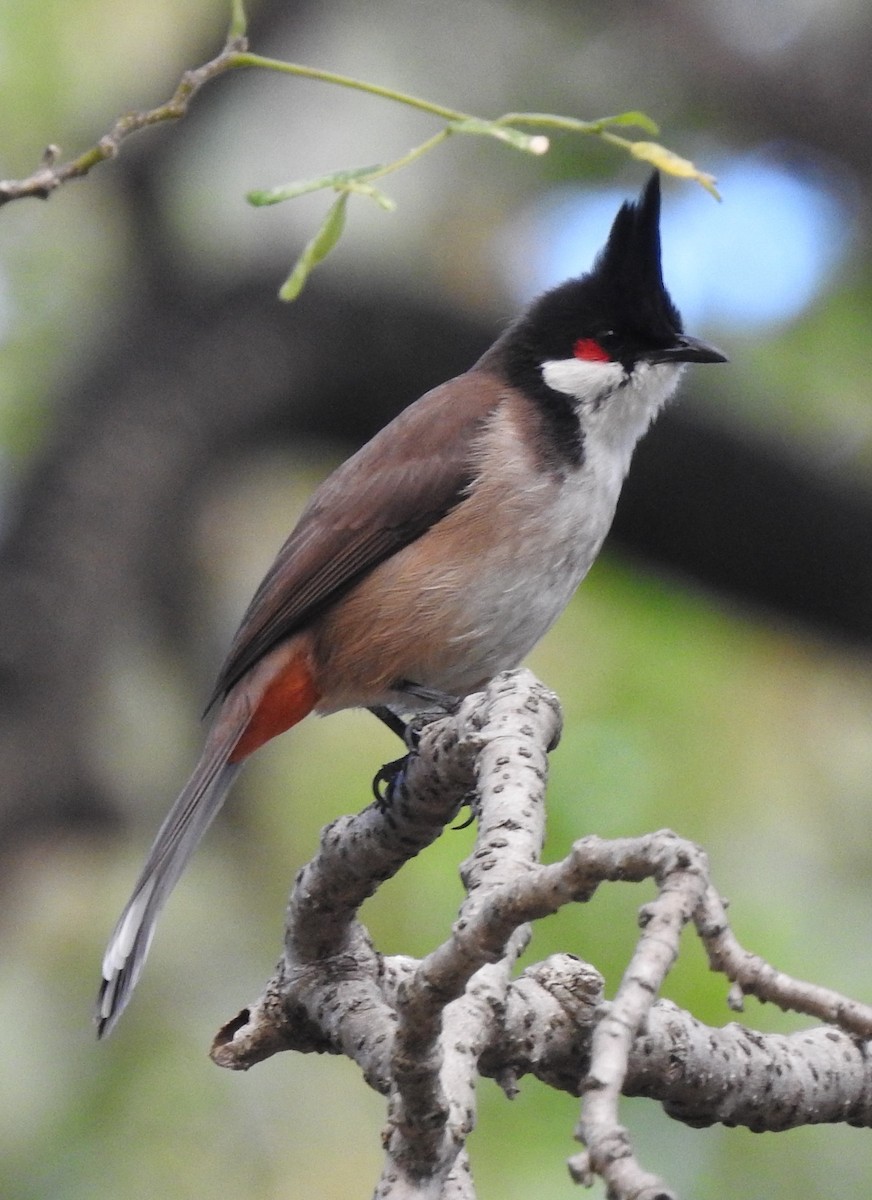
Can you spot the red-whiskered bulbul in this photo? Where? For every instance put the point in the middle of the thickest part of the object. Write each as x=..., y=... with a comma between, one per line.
x=440, y=553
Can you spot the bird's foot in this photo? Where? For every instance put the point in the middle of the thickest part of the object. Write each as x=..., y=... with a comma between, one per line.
x=386, y=780
x=471, y=798
x=388, y=776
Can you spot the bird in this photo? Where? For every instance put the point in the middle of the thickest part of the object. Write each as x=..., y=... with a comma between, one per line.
x=438, y=555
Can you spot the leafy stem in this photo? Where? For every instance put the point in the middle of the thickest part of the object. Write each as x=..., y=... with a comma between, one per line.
x=509, y=129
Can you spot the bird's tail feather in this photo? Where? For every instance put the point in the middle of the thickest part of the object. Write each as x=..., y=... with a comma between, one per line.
x=186, y=823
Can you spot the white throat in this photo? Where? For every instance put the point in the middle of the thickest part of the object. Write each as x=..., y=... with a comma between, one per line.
x=615, y=407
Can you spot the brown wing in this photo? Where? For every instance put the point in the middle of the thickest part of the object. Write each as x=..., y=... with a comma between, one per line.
x=386, y=495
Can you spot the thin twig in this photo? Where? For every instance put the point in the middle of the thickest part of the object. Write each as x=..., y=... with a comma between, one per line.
x=51, y=174
x=235, y=55
x=753, y=976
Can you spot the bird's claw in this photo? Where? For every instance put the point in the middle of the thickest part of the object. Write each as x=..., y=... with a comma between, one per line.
x=471, y=798
x=385, y=781
x=388, y=776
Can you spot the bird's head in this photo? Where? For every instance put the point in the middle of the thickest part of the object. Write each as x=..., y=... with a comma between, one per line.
x=615, y=325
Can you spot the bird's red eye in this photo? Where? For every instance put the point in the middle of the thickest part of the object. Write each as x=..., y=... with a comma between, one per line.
x=589, y=350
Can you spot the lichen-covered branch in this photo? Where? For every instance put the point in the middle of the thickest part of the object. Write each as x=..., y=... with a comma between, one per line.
x=423, y=1031
x=437, y=1042
x=753, y=976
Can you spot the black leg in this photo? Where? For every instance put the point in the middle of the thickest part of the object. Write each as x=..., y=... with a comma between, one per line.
x=388, y=717
x=409, y=732
x=387, y=775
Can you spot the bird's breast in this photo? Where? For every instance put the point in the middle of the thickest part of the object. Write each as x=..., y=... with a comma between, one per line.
x=477, y=591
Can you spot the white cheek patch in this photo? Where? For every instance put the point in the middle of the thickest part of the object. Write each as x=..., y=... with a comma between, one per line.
x=582, y=379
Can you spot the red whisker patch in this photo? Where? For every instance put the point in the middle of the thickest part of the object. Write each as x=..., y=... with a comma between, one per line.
x=589, y=350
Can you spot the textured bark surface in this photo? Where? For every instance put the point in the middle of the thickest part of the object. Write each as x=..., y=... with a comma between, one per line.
x=423, y=1031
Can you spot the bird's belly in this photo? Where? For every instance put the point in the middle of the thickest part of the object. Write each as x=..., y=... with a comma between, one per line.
x=490, y=625
x=469, y=599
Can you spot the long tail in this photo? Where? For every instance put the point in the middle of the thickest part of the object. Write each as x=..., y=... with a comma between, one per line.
x=276, y=694
x=177, y=838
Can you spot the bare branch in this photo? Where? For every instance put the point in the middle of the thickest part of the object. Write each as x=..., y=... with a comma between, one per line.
x=701, y=1075
x=736, y=1076
x=358, y=853
x=753, y=976
x=422, y=1032
x=682, y=872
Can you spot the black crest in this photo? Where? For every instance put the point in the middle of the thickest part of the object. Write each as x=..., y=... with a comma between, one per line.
x=627, y=274
x=620, y=303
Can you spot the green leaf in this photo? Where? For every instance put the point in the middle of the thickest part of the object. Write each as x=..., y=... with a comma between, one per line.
x=317, y=249
x=572, y=124
x=336, y=179
x=635, y=118
x=530, y=143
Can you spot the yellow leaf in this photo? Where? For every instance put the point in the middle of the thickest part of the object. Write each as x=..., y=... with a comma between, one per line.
x=673, y=164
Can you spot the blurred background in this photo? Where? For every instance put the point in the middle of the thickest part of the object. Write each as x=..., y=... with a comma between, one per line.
x=163, y=417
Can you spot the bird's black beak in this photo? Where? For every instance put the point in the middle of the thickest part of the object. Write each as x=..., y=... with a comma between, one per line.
x=687, y=349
